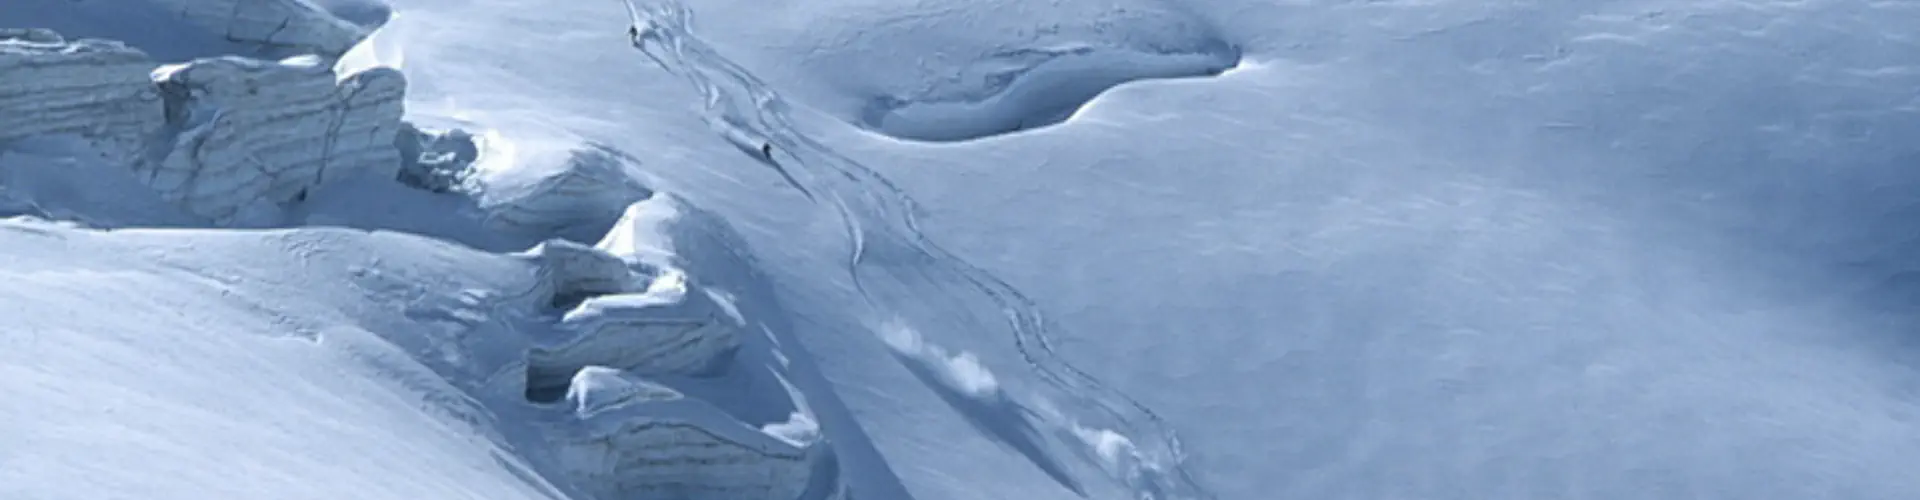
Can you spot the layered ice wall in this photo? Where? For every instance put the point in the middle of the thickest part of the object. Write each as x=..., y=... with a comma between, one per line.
x=293, y=24
x=630, y=438
x=630, y=314
x=243, y=131
x=96, y=89
x=624, y=313
x=216, y=136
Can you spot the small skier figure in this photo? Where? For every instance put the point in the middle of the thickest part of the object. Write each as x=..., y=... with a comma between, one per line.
x=766, y=151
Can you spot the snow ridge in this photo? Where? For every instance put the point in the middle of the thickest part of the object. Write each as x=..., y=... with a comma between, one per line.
x=892, y=255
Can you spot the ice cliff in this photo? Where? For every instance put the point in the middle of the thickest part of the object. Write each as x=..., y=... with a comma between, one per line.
x=97, y=89
x=631, y=438
x=218, y=135
x=242, y=131
x=623, y=312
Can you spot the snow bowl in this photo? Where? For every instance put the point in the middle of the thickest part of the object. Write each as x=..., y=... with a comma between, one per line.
x=1032, y=88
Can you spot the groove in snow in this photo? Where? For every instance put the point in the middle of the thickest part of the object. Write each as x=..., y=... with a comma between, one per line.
x=896, y=267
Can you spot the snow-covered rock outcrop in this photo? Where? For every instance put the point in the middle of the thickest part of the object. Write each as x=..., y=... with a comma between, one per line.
x=243, y=131
x=630, y=438
x=97, y=89
x=294, y=24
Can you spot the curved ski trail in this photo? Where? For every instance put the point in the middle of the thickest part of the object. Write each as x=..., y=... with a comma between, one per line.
x=899, y=272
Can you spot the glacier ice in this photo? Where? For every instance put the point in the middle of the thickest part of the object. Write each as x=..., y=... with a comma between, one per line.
x=631, y=315
x=97, y=89
x=294, y=24
x=629, y=437
x=217, y=136
x=241, y=131
x=572, y=196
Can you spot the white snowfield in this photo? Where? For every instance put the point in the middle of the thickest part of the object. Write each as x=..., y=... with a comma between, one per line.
x=402, y=363
x=958, y=250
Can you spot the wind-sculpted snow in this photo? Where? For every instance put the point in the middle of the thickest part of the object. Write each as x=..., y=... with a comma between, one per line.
x=660, y=329
x=631, y=438
x=411, y=344
x=572, y=193
x=1031, y=88
x=955, y=71
x=901, y=273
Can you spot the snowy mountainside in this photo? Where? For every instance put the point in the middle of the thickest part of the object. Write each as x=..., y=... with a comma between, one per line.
x=1437, y=249
x=439, y=348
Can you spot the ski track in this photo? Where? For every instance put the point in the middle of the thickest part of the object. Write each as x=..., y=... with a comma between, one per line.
x=879, y=217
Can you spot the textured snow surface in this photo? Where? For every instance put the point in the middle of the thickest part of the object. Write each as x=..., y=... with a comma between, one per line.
x=947, y=250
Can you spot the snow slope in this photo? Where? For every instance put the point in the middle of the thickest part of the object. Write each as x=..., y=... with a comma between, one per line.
x=1439, y=249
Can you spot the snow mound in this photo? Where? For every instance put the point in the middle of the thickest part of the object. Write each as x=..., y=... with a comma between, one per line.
x=631, y=438
x=243, y=131
x=97, y=89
